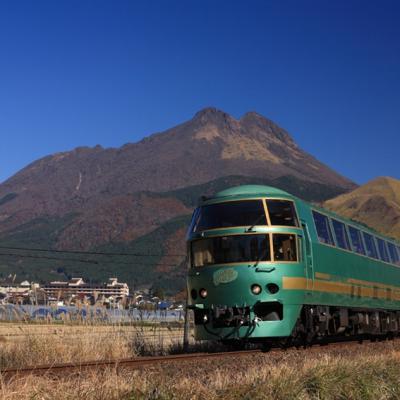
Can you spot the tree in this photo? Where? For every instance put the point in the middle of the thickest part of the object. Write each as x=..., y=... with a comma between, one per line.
x=158, y=292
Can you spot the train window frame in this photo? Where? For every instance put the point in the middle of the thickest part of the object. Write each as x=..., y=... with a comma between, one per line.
x=398, y=252
x=300, y=255
x=360, y=238
x=296, y=244
x=193, y=222
x=328, y=225
x=371, y=252
x=381, y=256
x=396, y=259
x=292, y=203
x=346, y=235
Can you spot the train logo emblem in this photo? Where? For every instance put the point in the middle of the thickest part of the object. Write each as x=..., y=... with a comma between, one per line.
x=224, y=276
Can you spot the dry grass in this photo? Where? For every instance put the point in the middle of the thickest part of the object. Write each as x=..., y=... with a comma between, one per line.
x=360, y=372
x=28, y=345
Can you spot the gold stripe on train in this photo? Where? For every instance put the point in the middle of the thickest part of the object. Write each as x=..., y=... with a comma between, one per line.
x=323, y=275
x=353, y=288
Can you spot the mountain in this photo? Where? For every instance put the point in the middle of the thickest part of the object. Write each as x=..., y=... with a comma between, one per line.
x=376, y=204
x=127, y=198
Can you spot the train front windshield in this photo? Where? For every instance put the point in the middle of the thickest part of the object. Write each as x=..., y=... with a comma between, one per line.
x=230, y=249
x=229, y=214
x=252, y=248
x=244, y=213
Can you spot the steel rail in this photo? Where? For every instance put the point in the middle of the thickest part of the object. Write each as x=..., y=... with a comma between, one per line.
x=57, y=369
x=165, y=334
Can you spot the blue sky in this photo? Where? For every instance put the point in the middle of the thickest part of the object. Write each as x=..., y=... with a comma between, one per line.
x=81, y=73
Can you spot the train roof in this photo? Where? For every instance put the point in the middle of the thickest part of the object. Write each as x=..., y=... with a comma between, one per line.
x=251, y=190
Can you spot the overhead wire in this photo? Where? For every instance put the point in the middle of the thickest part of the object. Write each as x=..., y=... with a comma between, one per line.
x=97, y=262
x=95, y=253
x=48, y=258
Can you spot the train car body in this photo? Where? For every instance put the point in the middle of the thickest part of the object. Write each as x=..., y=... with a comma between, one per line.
x=265, y=264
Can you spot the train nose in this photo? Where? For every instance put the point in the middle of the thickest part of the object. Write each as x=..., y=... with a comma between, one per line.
x=233, y=286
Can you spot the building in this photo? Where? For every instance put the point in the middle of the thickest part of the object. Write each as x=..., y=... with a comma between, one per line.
x=77, y=287
x=11, y=292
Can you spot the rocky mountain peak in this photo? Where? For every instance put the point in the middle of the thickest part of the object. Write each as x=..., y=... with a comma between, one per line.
x=385, y=181
x=212, y=122
x=254, y=121
x=212, y=115
x=210, y=112
x=254, y=116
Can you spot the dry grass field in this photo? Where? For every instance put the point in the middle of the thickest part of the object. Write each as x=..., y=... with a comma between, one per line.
x=368, y=371
x=33, y=344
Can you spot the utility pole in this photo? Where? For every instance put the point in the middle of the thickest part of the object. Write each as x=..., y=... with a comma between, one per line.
x=186, y=326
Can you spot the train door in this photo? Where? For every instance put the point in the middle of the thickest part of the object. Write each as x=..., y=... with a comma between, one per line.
x=308, y=259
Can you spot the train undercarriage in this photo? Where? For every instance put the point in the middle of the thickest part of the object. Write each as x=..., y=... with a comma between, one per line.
x=319, y=325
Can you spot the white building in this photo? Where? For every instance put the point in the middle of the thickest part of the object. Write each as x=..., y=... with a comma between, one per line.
x=78, y=287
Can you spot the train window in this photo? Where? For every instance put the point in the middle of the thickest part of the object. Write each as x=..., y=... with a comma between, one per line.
x=383, y=254
x=284, y=247
x=193, y=221
x=235, y=213
x=370, y=245
x=230, y=249
x=398, y=252
x=282, y=212
x=393, y=253
x=356, y=240
x=323, y=228
x=342, y=238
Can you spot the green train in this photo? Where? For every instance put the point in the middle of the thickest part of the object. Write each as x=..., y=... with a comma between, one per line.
x=266, y=266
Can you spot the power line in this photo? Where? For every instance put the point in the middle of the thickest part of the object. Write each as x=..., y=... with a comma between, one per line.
x=83, y=261
x=94, y=253
x=48, y=258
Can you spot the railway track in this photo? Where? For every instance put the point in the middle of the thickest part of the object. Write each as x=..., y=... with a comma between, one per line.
x=128, y=363
x=138, y=362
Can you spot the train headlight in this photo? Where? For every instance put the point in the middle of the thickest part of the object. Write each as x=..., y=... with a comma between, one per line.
x=256, y=289
x=272, y=288
x=203, y=293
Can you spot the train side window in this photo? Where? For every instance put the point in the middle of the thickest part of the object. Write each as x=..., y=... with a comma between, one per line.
x=398, y=252
x=370, y=245
x=342, y=239
x=393, y=253
x=282, y=213
x=356, y=241
x=284, y=247
x=383, y=254
x=323, y=229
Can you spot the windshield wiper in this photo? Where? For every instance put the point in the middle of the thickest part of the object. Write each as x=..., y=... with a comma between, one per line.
x=262, y=253
x=251, y=227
